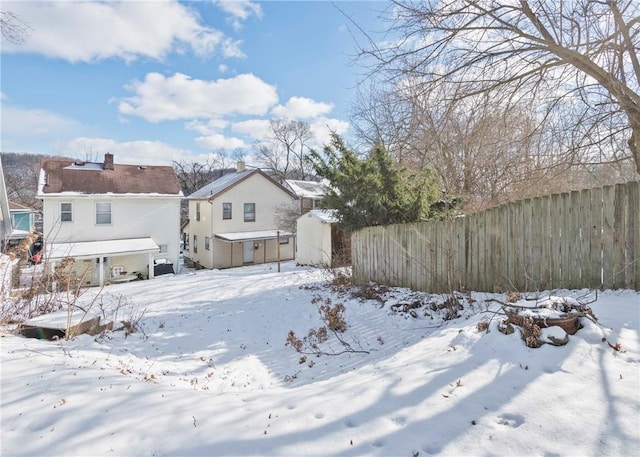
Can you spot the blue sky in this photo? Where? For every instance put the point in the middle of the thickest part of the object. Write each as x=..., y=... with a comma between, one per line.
x=158, y=81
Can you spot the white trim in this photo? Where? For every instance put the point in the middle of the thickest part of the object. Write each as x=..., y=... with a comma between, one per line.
x=259, y=235
x=88, y=249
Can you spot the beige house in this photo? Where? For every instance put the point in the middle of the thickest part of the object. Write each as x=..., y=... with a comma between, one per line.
x=233, y=221
x=118, y=222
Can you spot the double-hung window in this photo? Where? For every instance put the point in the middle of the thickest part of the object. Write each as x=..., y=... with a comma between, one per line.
x=226, y=211
x=197, y=211
x=249, y=212
x=66, y=212
x=103, y=213
x=207, y=242
x=195, y=244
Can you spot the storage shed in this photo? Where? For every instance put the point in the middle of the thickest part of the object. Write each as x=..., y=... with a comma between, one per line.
x=320, y=243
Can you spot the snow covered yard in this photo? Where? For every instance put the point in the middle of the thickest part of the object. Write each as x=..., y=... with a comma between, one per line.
x=210, y=375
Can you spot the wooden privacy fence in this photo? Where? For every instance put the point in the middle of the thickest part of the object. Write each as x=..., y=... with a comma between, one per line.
x=581, y=239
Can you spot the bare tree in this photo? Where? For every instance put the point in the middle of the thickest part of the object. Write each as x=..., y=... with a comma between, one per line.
x=483, y=152
x=575, y=62
x=384, y=116
x=194, y=175
x=14, y=29
x=286, y=150
x=21, y=172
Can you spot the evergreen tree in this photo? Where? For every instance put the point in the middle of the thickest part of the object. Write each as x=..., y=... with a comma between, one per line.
x=372, y=190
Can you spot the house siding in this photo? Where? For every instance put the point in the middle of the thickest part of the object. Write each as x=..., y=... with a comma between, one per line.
x=201, y=229
x=230, y=254
x=223, y=254
x=131, y=264
x=314, y=241
x=137, y=217
x=87, y=270
x=255, y=189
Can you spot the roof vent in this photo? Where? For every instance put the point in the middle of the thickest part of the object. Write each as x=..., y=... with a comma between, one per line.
x=142, y=167
x=79, y=163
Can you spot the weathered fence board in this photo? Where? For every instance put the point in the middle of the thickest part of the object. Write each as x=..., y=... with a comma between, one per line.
x=588, y=238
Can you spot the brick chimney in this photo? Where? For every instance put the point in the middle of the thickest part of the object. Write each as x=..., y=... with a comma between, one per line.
x=240, y=166
x=108, y=161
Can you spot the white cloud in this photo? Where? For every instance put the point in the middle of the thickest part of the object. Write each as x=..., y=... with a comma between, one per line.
x=301, y=108
x=17, y=121
x=90, y=31
x=222, y=68
x=159, y=98
x=219, y=141
x=206, y=128
x=240, y=10
x=255, y=128
x=139, y=152
x=322, y=128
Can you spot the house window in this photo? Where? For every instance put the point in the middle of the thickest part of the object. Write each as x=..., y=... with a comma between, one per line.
x=249, y=212
x=207, y=241
x=307, y=203
x=226, y=211
x=163, y=248
x=103, y=213
x=197, y=211
x=66, y=212
x=195, y=244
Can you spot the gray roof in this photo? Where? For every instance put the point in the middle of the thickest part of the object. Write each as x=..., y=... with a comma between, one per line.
x=227, y=181
x=221, y=184
x=307, y=189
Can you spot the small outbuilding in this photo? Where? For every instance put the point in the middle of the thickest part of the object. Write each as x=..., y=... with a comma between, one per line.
x=320, y=242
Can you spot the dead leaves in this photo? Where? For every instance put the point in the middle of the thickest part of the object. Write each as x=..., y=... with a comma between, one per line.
x=616, y=347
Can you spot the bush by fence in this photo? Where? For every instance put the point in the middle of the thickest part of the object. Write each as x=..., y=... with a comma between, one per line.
x=588, y=238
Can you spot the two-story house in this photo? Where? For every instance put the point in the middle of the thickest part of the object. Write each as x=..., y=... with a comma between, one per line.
x=117, y=221
x=233, y=221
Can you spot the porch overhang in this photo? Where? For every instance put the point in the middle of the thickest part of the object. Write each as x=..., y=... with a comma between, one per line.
x=248, y=236
x=107, y=248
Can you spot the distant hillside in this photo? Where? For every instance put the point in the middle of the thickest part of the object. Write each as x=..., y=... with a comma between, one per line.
x=21, y=172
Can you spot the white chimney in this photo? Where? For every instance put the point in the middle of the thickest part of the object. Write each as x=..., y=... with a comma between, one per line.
x=240, y=166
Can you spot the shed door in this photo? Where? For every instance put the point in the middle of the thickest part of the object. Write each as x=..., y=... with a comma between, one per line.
x=247, y=252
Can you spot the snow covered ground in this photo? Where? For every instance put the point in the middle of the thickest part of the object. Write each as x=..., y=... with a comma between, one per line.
x=211, y=375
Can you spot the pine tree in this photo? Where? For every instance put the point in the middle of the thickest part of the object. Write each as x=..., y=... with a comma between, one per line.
x=372, y=190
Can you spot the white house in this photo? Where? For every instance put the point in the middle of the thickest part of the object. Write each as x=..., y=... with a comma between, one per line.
x=6, y=264
x=233, y=221
x=5, y=214
x=116, y=221
x=319, y=242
